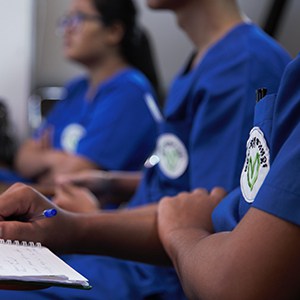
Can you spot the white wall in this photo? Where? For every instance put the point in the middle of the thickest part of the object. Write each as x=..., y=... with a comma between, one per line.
x=51, y=67
x=170, y=44
x=16, y=37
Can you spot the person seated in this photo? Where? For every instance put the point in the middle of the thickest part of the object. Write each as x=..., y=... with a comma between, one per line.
x=210, y=103
x=240, y=246
x=103, y=109
x=247, y=246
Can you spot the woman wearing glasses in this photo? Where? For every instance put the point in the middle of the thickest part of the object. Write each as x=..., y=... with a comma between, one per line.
x=104, y=119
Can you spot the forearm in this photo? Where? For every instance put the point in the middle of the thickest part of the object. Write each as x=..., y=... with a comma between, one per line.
x=117, y=234
x=259, y=259
x=129, y=234
x=45, y=165
x=109, y=181
x=196, y=260
x=122, y=185
x=31, y=161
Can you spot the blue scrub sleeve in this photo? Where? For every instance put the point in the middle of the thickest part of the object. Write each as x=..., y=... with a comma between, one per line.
x=121, y=131
x=226, y=215
x=280, y=193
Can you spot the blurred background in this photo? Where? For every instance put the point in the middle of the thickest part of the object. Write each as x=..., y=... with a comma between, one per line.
x=31, y=55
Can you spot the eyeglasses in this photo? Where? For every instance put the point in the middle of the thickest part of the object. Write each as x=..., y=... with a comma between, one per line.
x=75, y=21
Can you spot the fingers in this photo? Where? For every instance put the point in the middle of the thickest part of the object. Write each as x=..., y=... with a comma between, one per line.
x=45, y=139
x=75, y=179
x=61, y=179
x=200, y=191
x=11, y=201
x=63, y=192
x=13, y=231
x=217, y=194
x=67, y=188
x=64, y=179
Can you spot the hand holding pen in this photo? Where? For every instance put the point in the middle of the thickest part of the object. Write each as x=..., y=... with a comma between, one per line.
x=22, y=210
x=47, y=213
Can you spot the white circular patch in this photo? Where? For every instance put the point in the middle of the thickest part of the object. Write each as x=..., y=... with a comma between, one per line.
x=173, y=156
x=257, y=165
x=70, y=137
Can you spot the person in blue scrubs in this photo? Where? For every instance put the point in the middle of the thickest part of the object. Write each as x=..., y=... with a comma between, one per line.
x=210, y=104
x=103, y=109
x=274, y=138
x=250, y=248
x=256, y=258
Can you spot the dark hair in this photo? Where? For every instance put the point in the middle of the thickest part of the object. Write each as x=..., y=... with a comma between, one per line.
x=7, y=141
x=135, y=45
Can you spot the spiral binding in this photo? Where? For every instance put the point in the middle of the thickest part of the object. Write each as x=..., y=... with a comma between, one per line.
x=20, y=243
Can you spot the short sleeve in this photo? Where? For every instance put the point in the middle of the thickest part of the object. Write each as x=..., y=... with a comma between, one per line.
x=280, y=193
x=121, y=132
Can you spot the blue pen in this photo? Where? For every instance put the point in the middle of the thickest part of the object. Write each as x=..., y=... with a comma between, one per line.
x=47, y=213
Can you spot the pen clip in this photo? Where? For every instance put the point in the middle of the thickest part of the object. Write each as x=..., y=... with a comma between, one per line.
x=260, y=93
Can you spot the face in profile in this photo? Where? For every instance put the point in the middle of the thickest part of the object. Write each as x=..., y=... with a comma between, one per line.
x=85, y=36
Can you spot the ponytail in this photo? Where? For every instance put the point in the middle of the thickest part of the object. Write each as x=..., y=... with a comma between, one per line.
x=139, y=53
x=135, y=45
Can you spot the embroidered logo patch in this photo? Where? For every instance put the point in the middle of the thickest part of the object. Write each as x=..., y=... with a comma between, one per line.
x=256, y=166
x=70, y=137
x=173, y=156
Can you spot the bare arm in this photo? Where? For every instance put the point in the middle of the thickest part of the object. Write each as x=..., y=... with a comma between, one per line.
x=130, y=234
x=258, y=260
x=33, y=160
x=122, y=185
x=113, y=186
x=76, y=199
x=30, y=160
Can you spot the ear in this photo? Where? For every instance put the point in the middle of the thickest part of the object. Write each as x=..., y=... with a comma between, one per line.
x=115, y=33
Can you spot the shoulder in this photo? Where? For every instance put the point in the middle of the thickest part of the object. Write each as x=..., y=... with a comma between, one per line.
x=132, y=78
x=245, y=54
x=79, y=82
x=248, y=43
x=263, y=45
x=129, y=85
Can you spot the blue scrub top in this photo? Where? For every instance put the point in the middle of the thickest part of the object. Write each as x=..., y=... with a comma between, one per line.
x=108, y=129
x=208, y=115
x=115, y=129
x=278, y=193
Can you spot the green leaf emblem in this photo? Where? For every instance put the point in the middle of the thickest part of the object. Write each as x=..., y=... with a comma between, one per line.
x=172, y=159
x=253, y=170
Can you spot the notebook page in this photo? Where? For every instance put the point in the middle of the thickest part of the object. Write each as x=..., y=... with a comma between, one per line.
x=33, y=262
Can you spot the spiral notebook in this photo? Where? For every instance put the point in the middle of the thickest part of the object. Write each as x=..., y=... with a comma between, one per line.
x=30, y=263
